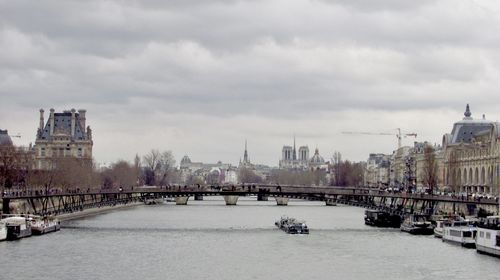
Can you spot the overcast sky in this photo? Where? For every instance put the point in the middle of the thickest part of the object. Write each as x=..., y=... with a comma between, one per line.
x=200, y=77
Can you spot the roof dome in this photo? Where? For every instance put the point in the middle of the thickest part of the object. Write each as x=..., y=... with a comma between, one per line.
x=185, y=160
x=317, y=159
x=5, y=139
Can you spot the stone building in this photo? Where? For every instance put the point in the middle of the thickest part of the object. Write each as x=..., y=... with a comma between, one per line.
x=15, y=161
x=472, y=156
x=206, y=172
x=290, y=160
x=63, y=135
x=400, y=172
x=377, y=171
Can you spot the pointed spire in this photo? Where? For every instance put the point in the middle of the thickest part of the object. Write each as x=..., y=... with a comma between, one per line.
x=467, y=113
x=294, y=149
x=245, y=155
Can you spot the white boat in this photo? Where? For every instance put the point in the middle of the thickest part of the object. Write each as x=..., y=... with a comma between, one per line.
x=17, y=227
x=439, y=229
x=43, y=225
x=460, y=232
x=443, y=222
x=3, y=231
x=488, y=236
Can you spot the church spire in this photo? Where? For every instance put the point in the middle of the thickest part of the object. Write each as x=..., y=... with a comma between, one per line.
x=245, y=155
x=294, y=149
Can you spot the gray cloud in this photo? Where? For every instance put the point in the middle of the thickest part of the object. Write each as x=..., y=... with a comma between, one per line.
x=198, y=77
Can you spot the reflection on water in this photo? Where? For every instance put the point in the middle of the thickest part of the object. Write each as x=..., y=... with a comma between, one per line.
x=208, y=240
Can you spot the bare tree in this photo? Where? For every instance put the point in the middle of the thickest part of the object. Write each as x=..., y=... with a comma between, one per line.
x=159, y=167
x=120, y=174
x=349, y=174
x=137, y=168
x=336, y=162
x=429, y=173
x=246, y=175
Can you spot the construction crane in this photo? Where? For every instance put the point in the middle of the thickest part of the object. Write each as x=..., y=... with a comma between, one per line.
x=399, y=135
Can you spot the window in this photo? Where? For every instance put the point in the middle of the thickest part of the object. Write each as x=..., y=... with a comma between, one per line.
x=80, y=152
x=488, y=235
x=481, y=234
x=42, y=152
x=498, y=241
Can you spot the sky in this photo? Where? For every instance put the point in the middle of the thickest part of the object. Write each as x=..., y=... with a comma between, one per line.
x=200, y=77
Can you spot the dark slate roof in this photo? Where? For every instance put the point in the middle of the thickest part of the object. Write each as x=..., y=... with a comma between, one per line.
x=5, y=138
x=464, y=131
x=62, y=125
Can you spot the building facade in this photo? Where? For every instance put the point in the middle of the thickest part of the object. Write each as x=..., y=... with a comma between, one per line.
x=293, y=159
x=377, y=171
x=63, y=135
x=472, y=156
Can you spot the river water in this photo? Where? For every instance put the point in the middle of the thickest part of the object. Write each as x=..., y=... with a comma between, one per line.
x=208, y=240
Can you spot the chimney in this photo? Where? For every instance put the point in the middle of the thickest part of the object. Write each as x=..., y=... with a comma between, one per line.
x=81, y=117
x=51, y=121
x=73, y=122
x=42, y=123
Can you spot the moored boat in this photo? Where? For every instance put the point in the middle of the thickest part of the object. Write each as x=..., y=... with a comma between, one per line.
x=460, y=232
x=417, y=224
x=3, y=231
x=488, y=236
x=381, y=218
x=43, y=225
x=17, y=227
x=439, y=229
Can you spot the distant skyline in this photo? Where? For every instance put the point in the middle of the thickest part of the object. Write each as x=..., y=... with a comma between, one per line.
x=199, y=77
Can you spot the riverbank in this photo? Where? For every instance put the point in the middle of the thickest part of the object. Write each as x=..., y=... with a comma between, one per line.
x=95, y=211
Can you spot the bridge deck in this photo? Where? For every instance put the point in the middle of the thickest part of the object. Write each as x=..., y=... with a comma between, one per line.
x=271, y=190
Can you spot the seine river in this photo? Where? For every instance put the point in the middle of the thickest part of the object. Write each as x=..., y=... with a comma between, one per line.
x=208, y=240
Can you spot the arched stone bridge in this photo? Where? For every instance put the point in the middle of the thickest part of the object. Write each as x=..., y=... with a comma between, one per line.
x=55, y=203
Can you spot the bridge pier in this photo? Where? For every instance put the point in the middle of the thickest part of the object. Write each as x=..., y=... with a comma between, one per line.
x=231, y=199
x=330, y=202
x=5, y=206
x=181, y=200
x=281, y=201
x=198, y=197
x=262, y=197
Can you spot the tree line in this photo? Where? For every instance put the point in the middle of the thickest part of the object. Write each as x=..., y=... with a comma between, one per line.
x=156, y=168
x=17, y=170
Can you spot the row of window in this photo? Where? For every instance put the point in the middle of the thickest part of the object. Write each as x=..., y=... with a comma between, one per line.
x=60, y=152
x=482, y=234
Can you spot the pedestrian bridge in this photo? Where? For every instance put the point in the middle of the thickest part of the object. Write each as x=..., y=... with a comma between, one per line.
x=54, y=202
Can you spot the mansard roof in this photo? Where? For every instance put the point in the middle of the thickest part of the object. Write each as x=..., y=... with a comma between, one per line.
x=62, y=126
x=465, y=130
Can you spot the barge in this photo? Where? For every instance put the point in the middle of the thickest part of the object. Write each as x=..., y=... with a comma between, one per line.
x=292, y=226
x=417, y=224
